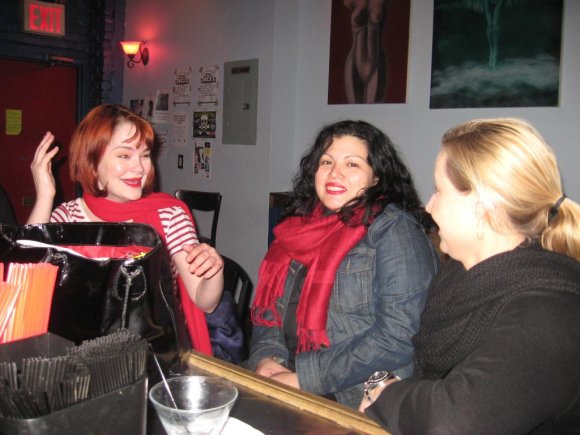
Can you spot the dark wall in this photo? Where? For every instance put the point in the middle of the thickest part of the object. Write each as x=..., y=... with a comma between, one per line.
x=93, y=31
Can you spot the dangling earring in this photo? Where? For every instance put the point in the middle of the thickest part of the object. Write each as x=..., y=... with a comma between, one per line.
x=479, y=230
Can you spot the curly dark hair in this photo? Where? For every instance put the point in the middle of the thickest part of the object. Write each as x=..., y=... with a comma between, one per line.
x=394, y=185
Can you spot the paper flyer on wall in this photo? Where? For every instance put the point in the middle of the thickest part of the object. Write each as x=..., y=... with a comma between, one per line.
x=161, y=142
x=161, y=109
x=182, y=87
x=202, y=158
x=204, y=124
x=147, y=108
x=179, y=126
x=137, y=106
x=208, y=86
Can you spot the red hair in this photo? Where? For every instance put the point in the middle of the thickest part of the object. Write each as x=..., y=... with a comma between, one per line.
x=91, y=139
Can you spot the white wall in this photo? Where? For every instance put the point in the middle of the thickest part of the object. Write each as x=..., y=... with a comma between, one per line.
x=196, y=33
x=291, y=39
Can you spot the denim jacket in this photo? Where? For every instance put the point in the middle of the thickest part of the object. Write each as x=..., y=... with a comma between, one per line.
x=374, y=310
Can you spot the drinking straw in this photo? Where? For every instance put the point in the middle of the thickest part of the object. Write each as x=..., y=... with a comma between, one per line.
x=52, y=273
x=114, y=360
x=165, y=381
x=30, y=313
x=17, y=275
x=51, y=384
x=8, y=295
x=10, y=312
x=42, y=280
x=8, y=374
x=7, y=337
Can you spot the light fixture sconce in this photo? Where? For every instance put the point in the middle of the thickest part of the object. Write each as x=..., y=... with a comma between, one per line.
x=131, y=48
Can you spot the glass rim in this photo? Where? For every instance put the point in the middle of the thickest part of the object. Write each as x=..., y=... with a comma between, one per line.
x=190, y=378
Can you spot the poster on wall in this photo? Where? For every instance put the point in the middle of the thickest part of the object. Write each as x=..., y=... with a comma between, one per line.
x=136, y=106
x=148, y=108
x=161, y=109
x=179, y=126
x=182, y=87
x=208, y=86
x=204, y=124
x=369, y=45
x=202, y=158
x=496, y=53
x=161, y=143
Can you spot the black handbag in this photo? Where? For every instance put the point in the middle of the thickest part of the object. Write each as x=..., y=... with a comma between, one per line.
x=129, y=287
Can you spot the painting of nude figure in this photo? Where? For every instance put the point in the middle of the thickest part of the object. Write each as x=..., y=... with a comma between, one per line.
x=369, y=47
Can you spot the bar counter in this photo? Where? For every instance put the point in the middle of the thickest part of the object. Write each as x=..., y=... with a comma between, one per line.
x=273, y=408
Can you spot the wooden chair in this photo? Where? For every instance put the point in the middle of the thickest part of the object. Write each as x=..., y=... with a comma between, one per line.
x=7, y=215
x=238, y=282
x=203, y=201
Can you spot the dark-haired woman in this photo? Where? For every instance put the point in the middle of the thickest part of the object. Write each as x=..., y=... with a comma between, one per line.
x=342, y=287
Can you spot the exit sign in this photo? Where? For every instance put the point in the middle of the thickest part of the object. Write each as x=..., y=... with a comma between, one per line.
x=44, y=18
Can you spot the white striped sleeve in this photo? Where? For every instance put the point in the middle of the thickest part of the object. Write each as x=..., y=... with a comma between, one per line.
x=68, y=212
x=179, y=229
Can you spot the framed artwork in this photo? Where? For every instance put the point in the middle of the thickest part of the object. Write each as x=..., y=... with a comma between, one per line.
x=501, y=53
x=369, y=47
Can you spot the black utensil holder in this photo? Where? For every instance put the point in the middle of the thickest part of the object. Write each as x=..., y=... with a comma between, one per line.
x=120, y=412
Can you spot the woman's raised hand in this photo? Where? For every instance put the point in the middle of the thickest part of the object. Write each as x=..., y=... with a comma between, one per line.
x=203, y=260
x=41, y=168
x=44, y=183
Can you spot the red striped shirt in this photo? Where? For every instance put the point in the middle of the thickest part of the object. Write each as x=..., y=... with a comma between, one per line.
x=179, y=229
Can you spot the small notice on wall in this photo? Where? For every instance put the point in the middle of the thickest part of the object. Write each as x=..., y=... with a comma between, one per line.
x=161, y=111
x=179, y=125
x=13, y=122
x=161, y=136
x=182, y=87
x=208, y=86
x=204, y=124
x=202, y=158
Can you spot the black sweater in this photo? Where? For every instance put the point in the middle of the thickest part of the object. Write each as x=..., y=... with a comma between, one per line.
x=498, y=351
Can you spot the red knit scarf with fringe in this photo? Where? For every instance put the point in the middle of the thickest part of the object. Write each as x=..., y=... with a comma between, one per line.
x=320, y=243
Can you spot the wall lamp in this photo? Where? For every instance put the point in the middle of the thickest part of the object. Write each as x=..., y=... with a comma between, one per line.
x=131, y=48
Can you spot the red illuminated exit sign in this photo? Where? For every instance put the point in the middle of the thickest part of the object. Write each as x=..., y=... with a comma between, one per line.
x=44, y=18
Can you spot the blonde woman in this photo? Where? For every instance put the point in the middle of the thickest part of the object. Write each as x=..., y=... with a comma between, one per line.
x=498, y=348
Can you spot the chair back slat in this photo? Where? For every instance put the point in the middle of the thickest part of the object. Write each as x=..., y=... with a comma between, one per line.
x=203, y=201
x=238, y=282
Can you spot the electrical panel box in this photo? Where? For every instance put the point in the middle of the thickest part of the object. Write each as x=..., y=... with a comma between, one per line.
x=240, y=102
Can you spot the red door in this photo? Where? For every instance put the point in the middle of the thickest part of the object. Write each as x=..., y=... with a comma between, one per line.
x=34, y=98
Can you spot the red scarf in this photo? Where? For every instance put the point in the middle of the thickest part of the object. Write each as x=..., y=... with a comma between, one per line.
x=320, y=243
x=146, y=211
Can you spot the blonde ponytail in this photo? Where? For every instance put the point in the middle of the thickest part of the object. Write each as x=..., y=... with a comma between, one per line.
x=562, y=233
x=508, y=163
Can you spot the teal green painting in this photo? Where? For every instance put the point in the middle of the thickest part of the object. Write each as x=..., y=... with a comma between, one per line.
x=496, y=53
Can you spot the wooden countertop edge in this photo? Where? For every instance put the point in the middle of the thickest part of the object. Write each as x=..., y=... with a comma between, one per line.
x=299, y=399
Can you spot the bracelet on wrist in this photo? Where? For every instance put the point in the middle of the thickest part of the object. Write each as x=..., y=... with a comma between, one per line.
x=377, y=380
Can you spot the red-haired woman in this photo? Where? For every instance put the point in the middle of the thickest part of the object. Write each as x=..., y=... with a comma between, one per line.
x=110, y=156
